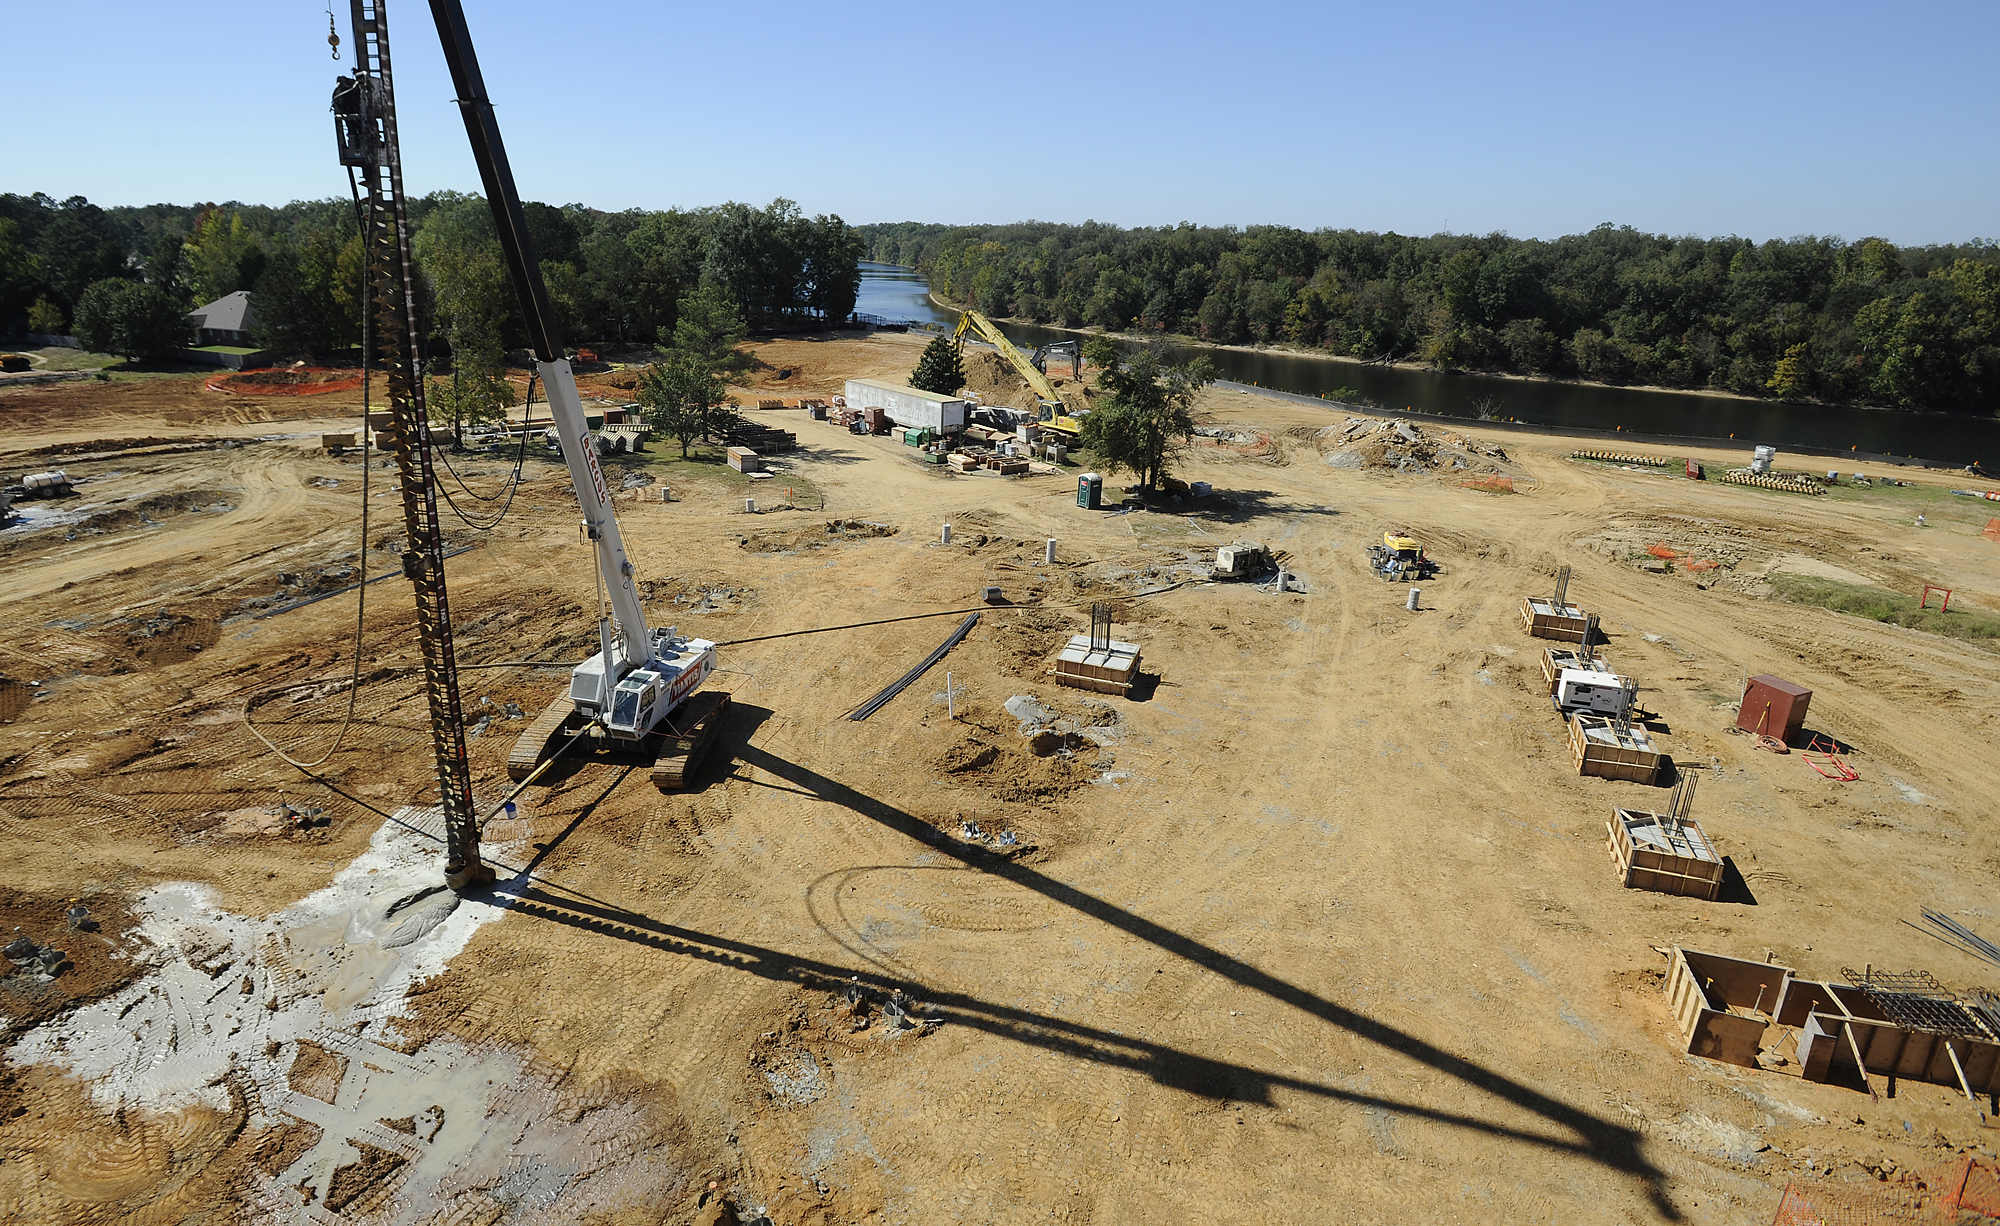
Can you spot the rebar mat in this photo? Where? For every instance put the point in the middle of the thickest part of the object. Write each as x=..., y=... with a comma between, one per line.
x=1915, y=1000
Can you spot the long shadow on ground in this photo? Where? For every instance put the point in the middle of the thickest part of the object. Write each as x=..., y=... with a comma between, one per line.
x=1609, y=1144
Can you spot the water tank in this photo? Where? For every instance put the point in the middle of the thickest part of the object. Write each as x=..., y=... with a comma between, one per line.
x=55, y=481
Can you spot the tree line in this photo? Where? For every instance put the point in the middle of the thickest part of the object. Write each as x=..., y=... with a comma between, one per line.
x=1803, y=319
x=612, y=277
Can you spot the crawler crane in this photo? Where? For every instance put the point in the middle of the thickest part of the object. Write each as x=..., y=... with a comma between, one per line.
x=639, y=690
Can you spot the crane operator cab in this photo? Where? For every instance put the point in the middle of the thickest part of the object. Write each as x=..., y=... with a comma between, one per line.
x=647, y=695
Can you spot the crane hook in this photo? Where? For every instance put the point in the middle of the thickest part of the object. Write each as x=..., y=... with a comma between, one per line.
x=332, y=36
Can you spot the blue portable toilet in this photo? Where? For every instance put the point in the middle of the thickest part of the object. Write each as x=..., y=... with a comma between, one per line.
x=1090, y=491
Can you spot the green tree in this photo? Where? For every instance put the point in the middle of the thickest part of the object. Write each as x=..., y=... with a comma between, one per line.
x=939, y=369
x=1103, y=352
x=1792, y=377
x=684, y=398
x=45, y=317
x=223, y=255
x=1150, y=413
x=476, y=397
x=710, y=326
x=130, y=319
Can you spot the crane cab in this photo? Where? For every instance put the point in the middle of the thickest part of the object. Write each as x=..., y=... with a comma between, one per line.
x=633, y=703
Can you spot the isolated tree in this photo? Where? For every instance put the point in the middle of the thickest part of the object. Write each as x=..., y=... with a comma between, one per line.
x=939, y=369
x=1150, y=412
x=710, y=326
x=130, y=319
x=683, y=398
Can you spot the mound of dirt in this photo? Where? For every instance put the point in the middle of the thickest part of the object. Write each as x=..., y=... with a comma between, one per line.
x=778, y=540
x=1402, y=446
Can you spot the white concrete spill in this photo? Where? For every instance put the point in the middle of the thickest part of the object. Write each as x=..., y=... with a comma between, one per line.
x=232, y=1001
x=227, y=986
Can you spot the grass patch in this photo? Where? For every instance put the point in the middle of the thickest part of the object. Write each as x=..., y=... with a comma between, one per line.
x=1975, y=626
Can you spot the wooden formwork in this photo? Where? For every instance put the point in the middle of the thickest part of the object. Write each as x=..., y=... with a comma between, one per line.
x=1556, y=659
x=1543, y=618
x=1840, y=1025
x=1722, y=1005
x=1105, y=672
x=1669, y=855
x=1602, y=749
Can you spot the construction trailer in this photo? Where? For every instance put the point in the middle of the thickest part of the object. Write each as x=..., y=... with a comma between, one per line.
x=1558, y=660
x=1669, y=852
x=1096, y=661
x=1553, y=617
x=1773, y=707
x=1723, y=1005
x=908, y=406
x=1605, y=748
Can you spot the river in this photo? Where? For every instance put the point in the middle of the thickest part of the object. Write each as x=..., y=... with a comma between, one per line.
x=1944, y=439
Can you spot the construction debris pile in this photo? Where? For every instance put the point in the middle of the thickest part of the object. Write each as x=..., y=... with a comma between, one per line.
x=1365, y=442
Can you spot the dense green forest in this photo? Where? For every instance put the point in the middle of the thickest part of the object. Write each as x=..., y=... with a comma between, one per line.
x=611, y=276
x=1798, y=319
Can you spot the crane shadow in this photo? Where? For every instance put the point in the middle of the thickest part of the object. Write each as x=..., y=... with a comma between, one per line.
x=1611, y=1145
x=1221, y=1080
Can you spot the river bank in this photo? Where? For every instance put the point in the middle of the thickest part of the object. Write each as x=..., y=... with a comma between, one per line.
x=1938, y=439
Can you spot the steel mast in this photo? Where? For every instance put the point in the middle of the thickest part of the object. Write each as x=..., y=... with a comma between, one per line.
x=364, y=109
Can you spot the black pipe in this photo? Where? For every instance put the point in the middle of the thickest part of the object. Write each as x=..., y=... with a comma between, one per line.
x=491, y=154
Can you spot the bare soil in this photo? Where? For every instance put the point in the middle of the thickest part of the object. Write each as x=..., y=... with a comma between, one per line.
x=1320, y=927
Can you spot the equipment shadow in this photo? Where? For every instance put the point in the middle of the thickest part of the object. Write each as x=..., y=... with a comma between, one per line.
x=1609, y=1144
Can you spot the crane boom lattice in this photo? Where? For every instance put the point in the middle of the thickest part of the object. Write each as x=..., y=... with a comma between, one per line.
x=365, y=120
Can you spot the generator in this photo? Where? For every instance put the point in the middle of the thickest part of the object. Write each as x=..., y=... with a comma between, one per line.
x=1241, y=561
x=1584, y=691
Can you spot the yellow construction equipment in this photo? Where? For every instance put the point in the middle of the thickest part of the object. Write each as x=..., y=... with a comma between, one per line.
x=1399, y=556
x=1050, y=411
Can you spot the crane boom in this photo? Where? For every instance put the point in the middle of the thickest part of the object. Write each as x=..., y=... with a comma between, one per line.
x=639, y=675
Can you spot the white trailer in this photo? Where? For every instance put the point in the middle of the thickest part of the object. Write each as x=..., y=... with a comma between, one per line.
x=907, y=406
x=1589, y=692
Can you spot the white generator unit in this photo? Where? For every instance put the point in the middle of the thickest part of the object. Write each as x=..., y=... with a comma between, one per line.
x=1585, y=691
x=1241, y=561
x=1762, y=458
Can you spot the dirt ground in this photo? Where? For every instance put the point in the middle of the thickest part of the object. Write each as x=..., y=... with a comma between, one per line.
x=1318, y=926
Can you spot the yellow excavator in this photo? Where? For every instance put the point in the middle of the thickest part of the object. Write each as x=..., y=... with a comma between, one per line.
x=1050, y=411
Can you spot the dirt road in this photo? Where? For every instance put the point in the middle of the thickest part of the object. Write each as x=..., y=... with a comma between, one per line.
x=1321, y=927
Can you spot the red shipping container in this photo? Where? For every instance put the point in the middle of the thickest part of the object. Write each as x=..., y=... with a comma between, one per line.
x=1774, y=707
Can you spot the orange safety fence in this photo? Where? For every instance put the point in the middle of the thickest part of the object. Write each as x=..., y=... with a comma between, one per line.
x=1494, y=484
x=1823, y=755
x=1950, y=1192
x=289, y=382
x=1704, y=564
x=1661, y=551
x=1992, y=530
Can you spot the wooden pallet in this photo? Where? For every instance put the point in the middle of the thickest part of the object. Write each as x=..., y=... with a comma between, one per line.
x=686, y=736
x=534, y=744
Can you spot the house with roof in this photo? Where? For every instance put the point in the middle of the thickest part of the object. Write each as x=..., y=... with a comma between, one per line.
x=222, y=333
x=226, y=321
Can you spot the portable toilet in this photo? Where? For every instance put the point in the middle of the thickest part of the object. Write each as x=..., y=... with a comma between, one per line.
x=1090, y=491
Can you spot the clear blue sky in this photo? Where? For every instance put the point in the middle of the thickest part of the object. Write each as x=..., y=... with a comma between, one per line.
x=1538, y=119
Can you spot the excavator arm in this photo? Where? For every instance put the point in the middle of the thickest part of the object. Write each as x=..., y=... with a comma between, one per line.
x=974, y=321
